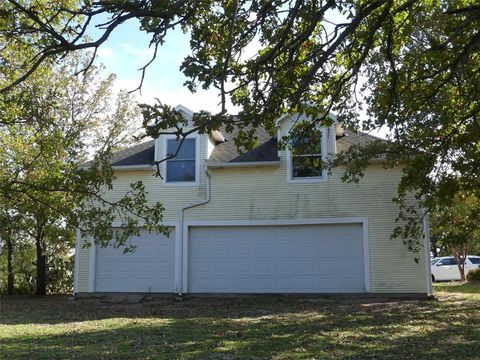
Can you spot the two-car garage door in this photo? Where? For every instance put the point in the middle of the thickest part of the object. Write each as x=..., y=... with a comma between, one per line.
x=276, y=259
x=241, y=259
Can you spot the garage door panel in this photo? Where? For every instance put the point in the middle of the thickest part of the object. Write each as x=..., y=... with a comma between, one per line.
x=263, y=267
x=268, y=259
x=284, y=267
x=150, y=268
x=346, y=285
x=350, y=266
x=306, y=267
x=348, y=248
x=241, y=267
x=327, y=247
x=201, y=267
x=241, y=250
x=306, y=250
x=223, y=267
x=223, y=250
x=264, y=250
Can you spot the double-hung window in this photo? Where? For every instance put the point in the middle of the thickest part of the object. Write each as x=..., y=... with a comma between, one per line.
x=306, y=156
x=181, y=168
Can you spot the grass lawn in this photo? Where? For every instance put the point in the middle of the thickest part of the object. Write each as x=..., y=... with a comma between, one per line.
x=249, y=327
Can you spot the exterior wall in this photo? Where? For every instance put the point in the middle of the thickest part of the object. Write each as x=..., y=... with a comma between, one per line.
x=83, y=266
x=264, y=194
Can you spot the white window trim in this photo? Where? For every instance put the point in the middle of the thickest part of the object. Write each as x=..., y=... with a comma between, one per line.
x=334, y=139
x=306, y=180
x=197, y=162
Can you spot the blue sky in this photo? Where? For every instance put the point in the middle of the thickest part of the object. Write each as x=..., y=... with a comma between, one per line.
x=127, y=49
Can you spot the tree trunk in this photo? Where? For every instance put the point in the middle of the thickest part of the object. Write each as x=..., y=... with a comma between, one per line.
x=10, y=277
x=434, y=249
x=461, y=267
x=41, y=286
x=460, y=255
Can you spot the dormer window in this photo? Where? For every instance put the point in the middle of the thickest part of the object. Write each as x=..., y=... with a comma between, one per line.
x=306, y=156
x=182, y=168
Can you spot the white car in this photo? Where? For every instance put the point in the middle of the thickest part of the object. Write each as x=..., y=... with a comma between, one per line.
x=445, y=268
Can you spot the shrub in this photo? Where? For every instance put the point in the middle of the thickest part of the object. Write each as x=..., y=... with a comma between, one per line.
x=473, y=275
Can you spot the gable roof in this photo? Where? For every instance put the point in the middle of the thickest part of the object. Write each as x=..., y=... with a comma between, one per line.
x=140, y=154
x=355, y=138
x=227, y=152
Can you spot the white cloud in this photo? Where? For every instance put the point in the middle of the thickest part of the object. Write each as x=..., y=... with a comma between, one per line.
x=202, y=100
x=105, y=53
x=142, y=53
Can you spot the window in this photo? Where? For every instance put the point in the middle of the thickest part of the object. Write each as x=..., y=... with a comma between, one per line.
x=306, y=156
x=433, y=261
x=181, y=168
x=447, y=261
x=474, y=260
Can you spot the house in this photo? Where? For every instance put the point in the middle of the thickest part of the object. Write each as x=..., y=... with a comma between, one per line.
x=261, y=222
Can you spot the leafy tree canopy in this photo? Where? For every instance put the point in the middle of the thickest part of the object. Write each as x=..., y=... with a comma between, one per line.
x=50, y=124
x=411, y=66
x=456, y=227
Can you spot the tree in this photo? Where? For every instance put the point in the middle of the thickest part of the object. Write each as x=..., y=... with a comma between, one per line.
x=18, y=261
x=410, y=66
x=457, y=227
x=51, y=123
x=7, y=239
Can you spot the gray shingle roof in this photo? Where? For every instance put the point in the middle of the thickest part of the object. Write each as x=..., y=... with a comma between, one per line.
x=228, y=152
x=352, y=138
x=143, y=154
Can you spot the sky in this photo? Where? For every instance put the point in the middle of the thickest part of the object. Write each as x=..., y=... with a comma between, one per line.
x=127, y=50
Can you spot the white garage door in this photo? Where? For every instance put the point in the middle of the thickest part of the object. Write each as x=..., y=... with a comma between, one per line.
x=149, y=269
x=276, y=259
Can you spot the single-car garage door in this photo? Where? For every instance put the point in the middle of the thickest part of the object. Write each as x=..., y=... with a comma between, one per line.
x=149, y=269
x=276, y=259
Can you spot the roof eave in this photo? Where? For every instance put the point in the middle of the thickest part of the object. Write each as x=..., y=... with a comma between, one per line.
x=242, y=164
x=218, y=136
x=133, y=167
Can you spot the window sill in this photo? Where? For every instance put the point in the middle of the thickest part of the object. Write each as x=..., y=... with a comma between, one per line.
x=307, y=180
x=181, y=183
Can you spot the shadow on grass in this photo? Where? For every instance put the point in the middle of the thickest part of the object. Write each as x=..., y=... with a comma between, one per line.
x=57, y=309
x=281, y=329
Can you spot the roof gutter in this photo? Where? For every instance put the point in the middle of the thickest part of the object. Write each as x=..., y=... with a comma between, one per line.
x=133, y=167
x=245, y=164
x=125, y=167
x=182, y=241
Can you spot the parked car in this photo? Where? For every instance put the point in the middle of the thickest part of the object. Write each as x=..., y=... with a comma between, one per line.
x=445, y=268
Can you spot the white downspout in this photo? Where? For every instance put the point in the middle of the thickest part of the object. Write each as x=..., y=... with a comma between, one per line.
x=426, y=246
x=182, y=216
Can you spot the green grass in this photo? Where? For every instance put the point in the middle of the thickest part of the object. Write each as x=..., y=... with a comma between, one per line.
x=457, y=287
x=248, y=327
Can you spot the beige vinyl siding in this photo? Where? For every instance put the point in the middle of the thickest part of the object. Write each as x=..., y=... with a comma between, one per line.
x=264, y=193
x=83, y=273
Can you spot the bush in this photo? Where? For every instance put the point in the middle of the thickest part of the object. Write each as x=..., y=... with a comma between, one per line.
x=473, y=275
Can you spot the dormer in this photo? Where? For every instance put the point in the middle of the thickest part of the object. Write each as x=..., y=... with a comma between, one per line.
x=184, y=169
x=217, y=149
x=306, y=154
